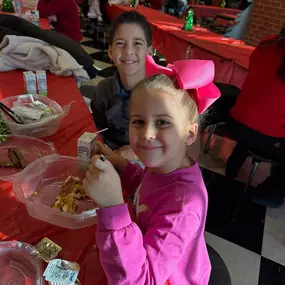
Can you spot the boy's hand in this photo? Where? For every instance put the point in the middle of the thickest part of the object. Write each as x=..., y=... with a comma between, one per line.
x=126, y=152
x=102, y=183
x=118, y=162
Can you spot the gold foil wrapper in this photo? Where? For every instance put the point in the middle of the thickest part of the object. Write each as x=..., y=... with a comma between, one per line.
x=47, y=249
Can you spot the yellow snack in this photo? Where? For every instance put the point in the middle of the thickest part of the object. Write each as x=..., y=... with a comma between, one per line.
x=72, y=190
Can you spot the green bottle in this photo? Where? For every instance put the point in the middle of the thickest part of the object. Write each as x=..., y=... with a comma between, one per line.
x=7, y=6
x=189, y=21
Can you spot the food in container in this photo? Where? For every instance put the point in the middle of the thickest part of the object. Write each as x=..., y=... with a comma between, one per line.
x=19, y=151
x=71, y=191
x=40, y=114
x=39, y=191
x=4, y=130
x=32, y=112
x=16, y=158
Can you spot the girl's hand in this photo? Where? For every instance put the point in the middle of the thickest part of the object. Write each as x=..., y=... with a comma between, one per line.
x=102, y=184
x=118, y=162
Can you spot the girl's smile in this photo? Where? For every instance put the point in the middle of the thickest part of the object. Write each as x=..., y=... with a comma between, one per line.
x=159, y=130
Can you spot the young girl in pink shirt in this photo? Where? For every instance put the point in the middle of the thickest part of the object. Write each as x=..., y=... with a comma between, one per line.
x=167, y=243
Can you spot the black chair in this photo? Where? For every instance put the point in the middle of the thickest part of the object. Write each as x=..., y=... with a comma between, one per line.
x=220, y=110
x=256, y=160
x=220, y=274
x=88, y=91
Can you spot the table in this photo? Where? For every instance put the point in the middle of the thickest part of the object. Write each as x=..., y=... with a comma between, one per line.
x=231, y=57
x=212, y=11
x=226, y=20
x=15, y=222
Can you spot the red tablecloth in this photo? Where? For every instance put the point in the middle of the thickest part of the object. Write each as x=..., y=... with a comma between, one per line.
x=212, y=11
x=231, y=56
x=15, y=222
x=44, y=24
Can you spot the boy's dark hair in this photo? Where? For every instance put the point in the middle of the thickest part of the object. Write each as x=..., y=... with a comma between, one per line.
x=131, y=17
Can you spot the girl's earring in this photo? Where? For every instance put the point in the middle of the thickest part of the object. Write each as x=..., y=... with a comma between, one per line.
x=151, y=51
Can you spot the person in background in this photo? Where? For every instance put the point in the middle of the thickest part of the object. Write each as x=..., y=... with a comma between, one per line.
x=234, y=4
x=64, y=16
x=130, y=40
x=238, y=31
x=167, y=242
x=95, y=11
x=258, y=118
x=176, y=7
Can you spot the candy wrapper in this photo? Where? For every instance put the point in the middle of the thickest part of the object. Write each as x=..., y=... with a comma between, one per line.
x=47, y=249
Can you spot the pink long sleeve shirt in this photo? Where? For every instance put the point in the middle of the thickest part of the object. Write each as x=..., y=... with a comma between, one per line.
x=169, y=245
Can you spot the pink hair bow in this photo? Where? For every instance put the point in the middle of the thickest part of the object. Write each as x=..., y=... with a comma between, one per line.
x=191, y=74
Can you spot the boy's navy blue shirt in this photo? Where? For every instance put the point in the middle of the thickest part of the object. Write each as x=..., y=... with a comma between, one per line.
x=110, y=107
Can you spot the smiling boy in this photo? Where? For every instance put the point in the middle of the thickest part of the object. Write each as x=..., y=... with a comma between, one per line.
x=130, y=40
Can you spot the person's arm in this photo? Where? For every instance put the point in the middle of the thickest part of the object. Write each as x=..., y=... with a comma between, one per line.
x=53, y=7
x=98, y=107
x=99, y=116
x=130, y=258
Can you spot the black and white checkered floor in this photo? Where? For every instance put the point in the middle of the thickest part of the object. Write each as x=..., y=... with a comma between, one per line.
x=254, y=247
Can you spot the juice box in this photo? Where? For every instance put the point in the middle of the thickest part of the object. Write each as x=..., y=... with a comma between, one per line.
x=86, y=146
x=42, y=82
x=30, y=82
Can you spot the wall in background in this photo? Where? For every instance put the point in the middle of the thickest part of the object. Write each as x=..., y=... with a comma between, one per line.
x=268, y=17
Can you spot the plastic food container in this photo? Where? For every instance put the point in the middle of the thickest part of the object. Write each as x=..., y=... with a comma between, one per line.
x=44, y=128
x=31, y=149
x=19, y=264
x=45, y=176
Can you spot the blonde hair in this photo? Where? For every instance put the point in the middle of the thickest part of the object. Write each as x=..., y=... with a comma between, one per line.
x=164, y=83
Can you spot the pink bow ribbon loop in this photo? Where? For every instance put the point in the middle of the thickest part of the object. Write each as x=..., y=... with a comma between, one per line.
x=190, y=74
